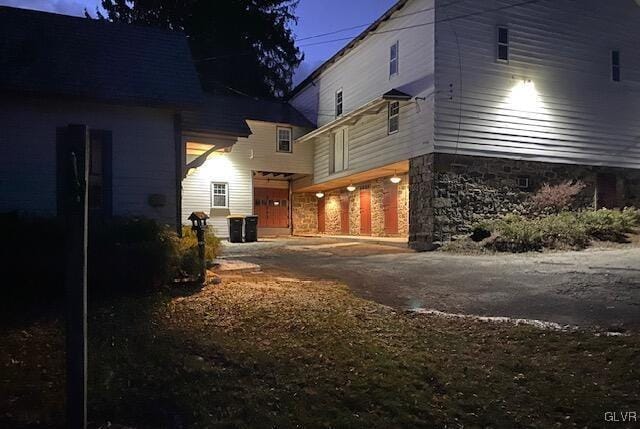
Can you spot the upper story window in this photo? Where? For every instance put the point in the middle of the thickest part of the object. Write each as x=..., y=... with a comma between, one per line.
x=503, y=44
x=285, y=139
x=339, y=103
x=615, y=66
x=339, y=160
x=219, y=195
x=394, y=52
x=394, y=117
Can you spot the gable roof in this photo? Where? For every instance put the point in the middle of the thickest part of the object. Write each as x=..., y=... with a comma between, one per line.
x=48, y=54
x=227, y=114
x=385, y=16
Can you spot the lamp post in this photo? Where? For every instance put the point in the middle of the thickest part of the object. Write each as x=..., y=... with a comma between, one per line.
x=199, y=225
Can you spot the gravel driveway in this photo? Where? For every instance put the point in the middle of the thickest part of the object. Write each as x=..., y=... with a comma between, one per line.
x=590, y=288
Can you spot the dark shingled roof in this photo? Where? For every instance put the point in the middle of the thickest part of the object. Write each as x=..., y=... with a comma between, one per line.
x=228, y=114
x=58, y=55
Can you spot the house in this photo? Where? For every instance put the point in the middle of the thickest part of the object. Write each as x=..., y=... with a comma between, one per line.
x=127, y=83
x=241, y=160
x=469, y=106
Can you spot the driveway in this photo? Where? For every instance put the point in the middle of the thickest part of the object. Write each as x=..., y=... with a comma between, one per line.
x=590, y=288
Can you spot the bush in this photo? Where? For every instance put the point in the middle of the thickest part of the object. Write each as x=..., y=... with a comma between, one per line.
x=514, y=233
x=188, y=249
x=553, y=199
x=610, y=225
x=124, y=255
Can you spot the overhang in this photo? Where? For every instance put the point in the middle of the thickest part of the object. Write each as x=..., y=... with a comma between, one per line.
x=373, y=107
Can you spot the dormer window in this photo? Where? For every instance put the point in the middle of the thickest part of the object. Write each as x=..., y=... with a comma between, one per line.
x=339, y=103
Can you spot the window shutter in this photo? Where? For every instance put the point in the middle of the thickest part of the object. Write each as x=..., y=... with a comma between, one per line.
x=107, y=169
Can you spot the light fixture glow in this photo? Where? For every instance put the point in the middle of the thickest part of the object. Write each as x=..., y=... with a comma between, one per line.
x=395, y=179
x=320, y=194
x=351, y=188
x=524, y=97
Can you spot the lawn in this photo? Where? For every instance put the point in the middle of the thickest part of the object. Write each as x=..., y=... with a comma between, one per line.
x=263, y=351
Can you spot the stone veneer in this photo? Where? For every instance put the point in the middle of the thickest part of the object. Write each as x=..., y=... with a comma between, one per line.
x=305, y=207
x=304, y=212
x=449, y=193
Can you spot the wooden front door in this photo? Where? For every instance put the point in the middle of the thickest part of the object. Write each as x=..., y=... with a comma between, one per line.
x=272, y=207
x=607, y=191
x=321, y=216
x=344, y=213
x=390, y=205
x=365, y=211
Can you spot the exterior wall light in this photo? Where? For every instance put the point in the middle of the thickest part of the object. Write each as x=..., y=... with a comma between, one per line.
x=320, y=194
x=351, y=188
x=395, y=179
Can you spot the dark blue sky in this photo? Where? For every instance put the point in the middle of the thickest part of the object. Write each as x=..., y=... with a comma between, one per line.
x=316, y=16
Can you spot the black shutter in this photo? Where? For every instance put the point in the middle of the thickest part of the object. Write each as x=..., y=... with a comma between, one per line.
x=61, y=138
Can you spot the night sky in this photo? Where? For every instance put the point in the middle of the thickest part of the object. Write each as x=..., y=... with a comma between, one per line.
x=316, y=16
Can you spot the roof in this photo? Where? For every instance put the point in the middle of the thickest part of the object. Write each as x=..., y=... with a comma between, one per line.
x=227, y=114
x=385, y=16
x=47, y=54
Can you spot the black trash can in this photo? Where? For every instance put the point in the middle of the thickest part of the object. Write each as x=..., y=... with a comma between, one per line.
x=235, y=228
x=251, y=229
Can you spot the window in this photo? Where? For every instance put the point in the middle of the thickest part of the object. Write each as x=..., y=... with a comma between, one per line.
x=393, y=59
x=394, y=117
x=339, y=103
x=339, y=151
x=285, y=139
x=615, y=66
x=503, y=44
x=524, y=182
x=219, y=196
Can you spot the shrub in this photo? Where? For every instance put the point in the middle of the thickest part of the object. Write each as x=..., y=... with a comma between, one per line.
x=553, y=199
x=610, y=225
x=188, y=249
x=514, y=233
x=124, y=255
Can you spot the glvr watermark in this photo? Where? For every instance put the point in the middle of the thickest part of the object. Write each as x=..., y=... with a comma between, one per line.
x=621, y=416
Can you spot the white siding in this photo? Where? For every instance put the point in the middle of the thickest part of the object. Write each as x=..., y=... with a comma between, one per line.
x=563, y=47
x=255, y=153
x=363, y=74
x=143, y=155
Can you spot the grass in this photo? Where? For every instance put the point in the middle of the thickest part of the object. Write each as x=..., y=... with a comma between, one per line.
x=261, y=351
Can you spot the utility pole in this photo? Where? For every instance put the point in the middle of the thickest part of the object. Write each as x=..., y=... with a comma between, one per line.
x=74, y=170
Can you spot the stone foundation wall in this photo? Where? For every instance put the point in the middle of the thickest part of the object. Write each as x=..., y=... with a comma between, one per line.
x=377, y=207
x=304, y=212
x=421, y=171
x=403, y=206
x=466, y=189
x=354, y=213
x=332, y=212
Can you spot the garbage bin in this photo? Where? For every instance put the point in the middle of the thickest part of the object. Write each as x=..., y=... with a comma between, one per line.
x=235, y=228
x=250, y=229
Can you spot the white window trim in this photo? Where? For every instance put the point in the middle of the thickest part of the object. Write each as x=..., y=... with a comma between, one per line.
x=226, y=196
x=389, y=117
x=290, y=130
x=397, y=59
x=335, y=102
x=499, y=44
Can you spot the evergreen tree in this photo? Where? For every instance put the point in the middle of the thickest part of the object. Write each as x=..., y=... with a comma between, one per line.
x=238, y=45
